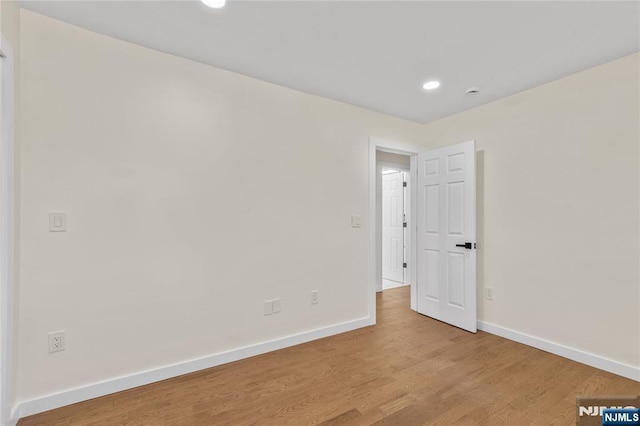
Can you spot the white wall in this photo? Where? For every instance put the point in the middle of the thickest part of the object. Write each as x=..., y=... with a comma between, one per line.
x=558, y=208
x=193, y=194
x=10, y=30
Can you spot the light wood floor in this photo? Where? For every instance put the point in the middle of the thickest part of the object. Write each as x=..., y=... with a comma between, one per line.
x=407, y=370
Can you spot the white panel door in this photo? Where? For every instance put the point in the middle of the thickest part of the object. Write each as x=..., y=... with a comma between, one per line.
x=446, y=209
x=392, y=227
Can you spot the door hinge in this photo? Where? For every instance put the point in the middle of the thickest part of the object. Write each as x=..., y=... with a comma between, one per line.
x=404, y=224
x=404, y=265
x=404, y=184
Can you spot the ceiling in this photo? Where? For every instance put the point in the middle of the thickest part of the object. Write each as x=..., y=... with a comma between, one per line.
x=377, y=54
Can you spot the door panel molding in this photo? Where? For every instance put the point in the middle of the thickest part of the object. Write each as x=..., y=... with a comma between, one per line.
x=446, y=234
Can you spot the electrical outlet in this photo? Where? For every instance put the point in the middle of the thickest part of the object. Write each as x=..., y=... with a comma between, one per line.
x=56, y=341
x=488, y=293
x=268, y=307
x=57, y=222
x=314, y=297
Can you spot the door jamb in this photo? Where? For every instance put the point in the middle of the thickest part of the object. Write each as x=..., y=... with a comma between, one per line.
x=375, y=230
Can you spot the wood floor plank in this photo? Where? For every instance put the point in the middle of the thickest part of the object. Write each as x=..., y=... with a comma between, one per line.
x=406, y=370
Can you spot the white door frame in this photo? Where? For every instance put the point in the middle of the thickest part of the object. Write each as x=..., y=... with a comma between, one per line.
x=6, y=229
x=375, y=225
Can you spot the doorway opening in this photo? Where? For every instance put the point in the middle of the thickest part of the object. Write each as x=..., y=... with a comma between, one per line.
x=441, y=184
x=394, y=217
x=400, y=157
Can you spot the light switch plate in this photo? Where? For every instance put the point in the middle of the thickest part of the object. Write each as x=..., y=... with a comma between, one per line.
x=488, y=293
x=57, y=222
x=277, y=305
x=268, y=307
x=356, y=221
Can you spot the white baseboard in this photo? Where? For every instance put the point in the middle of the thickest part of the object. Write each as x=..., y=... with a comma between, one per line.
x=94, y=390
x=587, y=358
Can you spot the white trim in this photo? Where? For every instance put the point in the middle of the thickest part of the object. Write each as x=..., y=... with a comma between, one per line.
x=372, y=263
x=118, y=384
x=6, y=231
x=376, y=144
x=412, y=232
x=577, y=355
x=378, y=225
x=393, y=147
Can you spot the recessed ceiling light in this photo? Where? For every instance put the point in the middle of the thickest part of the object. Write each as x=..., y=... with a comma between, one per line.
x=216, y=4
x=430, y=85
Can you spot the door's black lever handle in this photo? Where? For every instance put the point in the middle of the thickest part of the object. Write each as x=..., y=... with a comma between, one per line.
x=468, y=246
